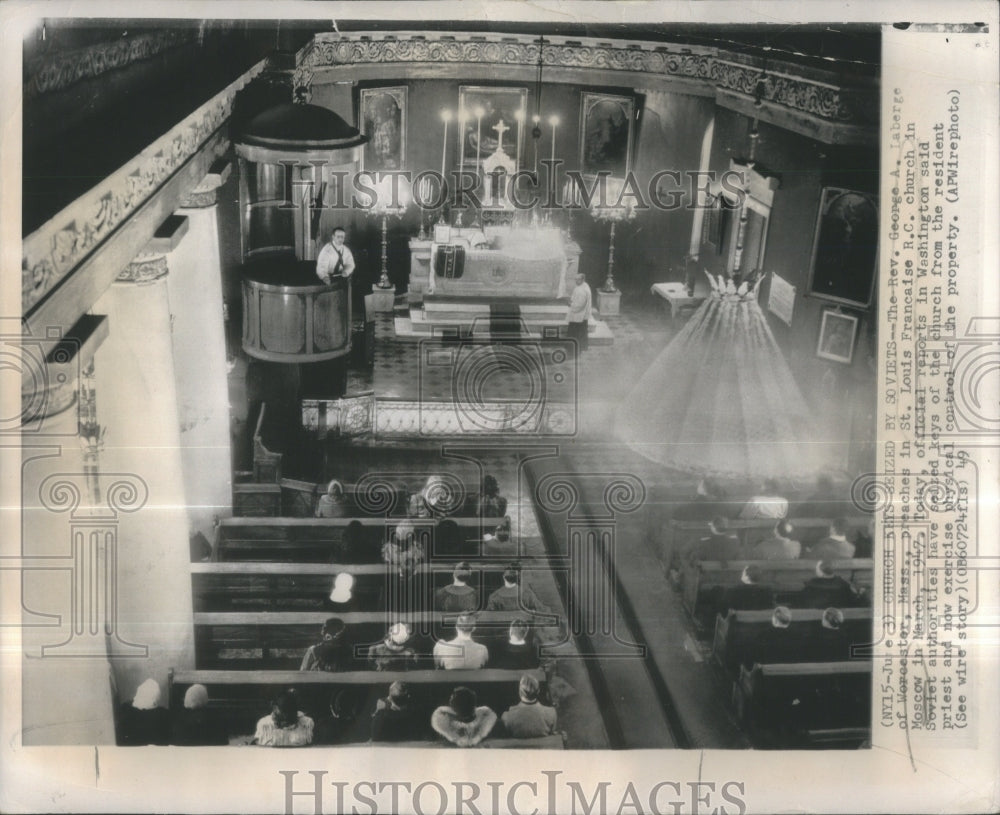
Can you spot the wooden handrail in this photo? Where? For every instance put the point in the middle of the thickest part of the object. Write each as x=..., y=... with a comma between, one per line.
x=364, y=617
x=257, y=567
x=256, y=677
x=813, y=668
x=808, y=565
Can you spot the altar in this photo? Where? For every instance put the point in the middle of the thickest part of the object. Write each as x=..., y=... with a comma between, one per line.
x=466, y=281
x=507, y=262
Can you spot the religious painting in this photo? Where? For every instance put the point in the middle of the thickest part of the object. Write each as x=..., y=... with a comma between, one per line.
x=490, y=120
x=845, y=248
x=383, y=121
x=837, y=334
x=606, y=134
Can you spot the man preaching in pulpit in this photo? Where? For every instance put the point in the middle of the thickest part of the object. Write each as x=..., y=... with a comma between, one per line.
x=579, y=312
x=335, y=259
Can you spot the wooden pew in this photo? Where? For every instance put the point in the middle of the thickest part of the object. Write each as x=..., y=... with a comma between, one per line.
x=279, y=639
x=557, y=741
x=738, y=638
x=251, y=585
x=316, y=540
x=788, y=705
x=784, y=576
x=240, y=698
x=299, y=499
x=680, y=535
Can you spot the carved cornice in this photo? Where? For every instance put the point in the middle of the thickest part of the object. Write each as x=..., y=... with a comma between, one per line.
x=815, y=92
x=55, y=72
x=144, y=269
x=52, y=251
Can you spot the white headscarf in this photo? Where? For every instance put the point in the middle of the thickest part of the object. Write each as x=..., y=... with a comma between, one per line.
x=147, y=695
x=196, y=696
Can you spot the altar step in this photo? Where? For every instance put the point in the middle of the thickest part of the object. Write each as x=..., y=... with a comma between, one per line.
x=415, y=326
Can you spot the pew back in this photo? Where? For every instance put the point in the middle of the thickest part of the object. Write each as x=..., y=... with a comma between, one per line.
x=279, y=639
x=251, y=585
x=322, y=540
x=789, y=705
x=785, y=577
x=747, y=637
x=240, y=698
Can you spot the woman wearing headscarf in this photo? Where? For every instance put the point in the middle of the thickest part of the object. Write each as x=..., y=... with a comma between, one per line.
x=142, y=721
x=333, y=503
x=196, y=724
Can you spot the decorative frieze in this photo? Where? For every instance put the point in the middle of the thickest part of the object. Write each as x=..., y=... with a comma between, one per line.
x=55, y=72
x=206, y=193
x=815, y=92
x=52, y=251
x=144, y=269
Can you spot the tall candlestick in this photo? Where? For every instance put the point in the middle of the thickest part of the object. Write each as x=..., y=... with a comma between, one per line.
x=462, y=117
x=446, y=115
x=479, y=130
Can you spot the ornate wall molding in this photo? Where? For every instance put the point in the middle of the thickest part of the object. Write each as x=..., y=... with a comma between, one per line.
x=51, y=252
x=802, y=89
x=144, y=269
x=55, y=72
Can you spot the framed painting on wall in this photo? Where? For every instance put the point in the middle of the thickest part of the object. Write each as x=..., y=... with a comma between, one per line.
x=383, y=121
x=606, y=134
x=500, y=121
x=845, y=248
x=837, y=334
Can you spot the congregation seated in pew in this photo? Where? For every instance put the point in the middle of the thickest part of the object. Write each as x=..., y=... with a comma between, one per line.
x=786, y=635
x=749, y=594
x=195, y=725
x=462, y=652
x=708, y=502
x=341, y=723
x=767, y=503
x=719, y=545
x=285, y=725
x=529, y=718
x=395, y=652
x=333, y=652
x=834, y=546
x=143, y=721
x=489, y=502
x=459, y=595
x=397, y=716
x=779, y=546
x=828, y=589
x=517, y=651
x=513, y=595
x=333, y=503
x=463, y=722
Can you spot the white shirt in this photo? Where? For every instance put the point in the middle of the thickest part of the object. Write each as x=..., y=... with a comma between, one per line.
x=460, y=653
x=579, y=304
x=328, y=259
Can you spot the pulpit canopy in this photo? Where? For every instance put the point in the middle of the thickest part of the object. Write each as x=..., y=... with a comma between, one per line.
x=297, y=132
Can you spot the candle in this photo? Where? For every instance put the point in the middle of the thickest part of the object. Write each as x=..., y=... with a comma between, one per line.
x=446, y=116
x=463, y=115
x=479, y=129
x=554, y=121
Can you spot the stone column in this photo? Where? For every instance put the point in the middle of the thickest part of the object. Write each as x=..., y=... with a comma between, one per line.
x=138, y=404
x=199, y=343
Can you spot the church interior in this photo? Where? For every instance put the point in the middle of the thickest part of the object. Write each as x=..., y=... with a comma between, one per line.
x=591, y=375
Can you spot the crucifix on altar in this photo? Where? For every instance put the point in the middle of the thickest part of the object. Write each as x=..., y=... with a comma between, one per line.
x=498, y=167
